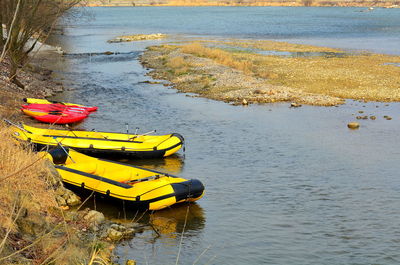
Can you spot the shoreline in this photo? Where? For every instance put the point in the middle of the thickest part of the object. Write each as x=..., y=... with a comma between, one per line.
x=244, y=71
x=50, y=213
x=305, y=3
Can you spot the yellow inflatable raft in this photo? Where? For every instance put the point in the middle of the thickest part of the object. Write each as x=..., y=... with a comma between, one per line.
x=103, y=143
x=138, y=187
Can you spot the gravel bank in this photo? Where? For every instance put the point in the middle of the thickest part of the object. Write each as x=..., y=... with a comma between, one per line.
x=205, y=77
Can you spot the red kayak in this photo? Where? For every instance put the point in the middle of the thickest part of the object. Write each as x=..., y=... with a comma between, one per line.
x=56, y=107
x=55, y=117
x=47, y=102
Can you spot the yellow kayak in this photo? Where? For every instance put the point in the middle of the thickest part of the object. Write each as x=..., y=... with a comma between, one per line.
x=102, y=143
x=138, y=187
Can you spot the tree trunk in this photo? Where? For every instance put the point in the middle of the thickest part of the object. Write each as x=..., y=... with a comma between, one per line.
x=1, y=32
x=13, y=76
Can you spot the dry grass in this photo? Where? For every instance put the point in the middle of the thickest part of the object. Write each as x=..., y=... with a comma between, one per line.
x=178, y=65
x=32, y=227
x=269, y=45
x=26, y=204
x=31, y=172
x=220, y=56
x=362, y=76
x=356, y=76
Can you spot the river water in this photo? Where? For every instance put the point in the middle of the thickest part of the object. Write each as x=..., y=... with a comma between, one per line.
x=283, y=185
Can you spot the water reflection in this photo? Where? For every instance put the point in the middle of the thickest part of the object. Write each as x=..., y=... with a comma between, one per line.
x=159, y=241
x=172, y=164
x=170, y=222
x=167, y=222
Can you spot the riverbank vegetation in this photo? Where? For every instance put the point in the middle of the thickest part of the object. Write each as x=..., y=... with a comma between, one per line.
x=343, y=3
x=34, y=229
x=268, y=71
x=24, y=23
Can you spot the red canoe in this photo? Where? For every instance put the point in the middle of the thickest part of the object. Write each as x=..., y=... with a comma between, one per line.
x=55, y=117
x=46, y=102
x=56, y=107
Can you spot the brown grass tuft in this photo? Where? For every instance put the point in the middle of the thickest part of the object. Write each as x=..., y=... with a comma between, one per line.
x=220, y=56
x=32, y=227
x=32, y=181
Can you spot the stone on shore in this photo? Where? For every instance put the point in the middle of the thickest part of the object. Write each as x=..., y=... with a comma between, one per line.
x=95, y=219
x=117, y=232
x=114, y=235
x=72, y=199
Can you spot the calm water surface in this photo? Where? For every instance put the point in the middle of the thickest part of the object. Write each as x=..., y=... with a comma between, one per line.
x=283, y=186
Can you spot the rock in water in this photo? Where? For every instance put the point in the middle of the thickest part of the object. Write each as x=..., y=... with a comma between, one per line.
x=295, y=105
x=353, y=125
x=130, y=262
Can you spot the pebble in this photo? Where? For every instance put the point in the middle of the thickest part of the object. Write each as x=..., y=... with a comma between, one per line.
x=372, y=117
x=353, y=125
x=114, y=235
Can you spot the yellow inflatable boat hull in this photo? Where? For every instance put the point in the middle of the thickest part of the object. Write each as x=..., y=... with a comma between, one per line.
x=138, y=187
x=103, y=143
